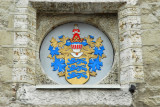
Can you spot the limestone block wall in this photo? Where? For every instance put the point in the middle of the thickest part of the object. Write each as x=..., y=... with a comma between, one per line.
x=131, y=62
x=139, y=46
x=147, y=94
x=6, y=52
x=17, y=46
x=24, y=44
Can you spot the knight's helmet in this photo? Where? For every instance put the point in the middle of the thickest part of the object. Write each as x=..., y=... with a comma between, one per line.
x=76, y=40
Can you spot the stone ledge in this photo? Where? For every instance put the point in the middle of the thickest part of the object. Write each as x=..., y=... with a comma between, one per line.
x=77, y=6
x=107, y=86
x=78, y=1
x=77, y=97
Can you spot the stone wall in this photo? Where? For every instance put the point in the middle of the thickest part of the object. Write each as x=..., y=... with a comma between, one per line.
x=19, y=46
x=7, y=94
x=148, y=93
x=17, y=53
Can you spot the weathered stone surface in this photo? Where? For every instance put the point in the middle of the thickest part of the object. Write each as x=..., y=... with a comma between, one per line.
x=17, y=29
x=28, y=94
x=6, y=94
x=151, y=55
x=133, y=74
x=151, y=64
x=149, y=19
x=151, y=37
x=7, y=38
x=6, y=61
x=80, y=6
x=130, y=39
x=147, y=94
x=131, y=56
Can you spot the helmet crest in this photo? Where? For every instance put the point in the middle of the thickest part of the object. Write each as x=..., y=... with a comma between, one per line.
x=76, y=35
x=76, y=38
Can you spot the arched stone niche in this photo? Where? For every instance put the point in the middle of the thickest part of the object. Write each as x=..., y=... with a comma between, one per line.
x=129, y=63
x=106, y=23
x=124, y=33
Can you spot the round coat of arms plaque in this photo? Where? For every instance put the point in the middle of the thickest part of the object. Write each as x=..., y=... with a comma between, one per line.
x=77, y=54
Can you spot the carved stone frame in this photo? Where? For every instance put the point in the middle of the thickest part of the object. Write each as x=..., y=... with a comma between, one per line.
x=130, y=65
x=112, y=33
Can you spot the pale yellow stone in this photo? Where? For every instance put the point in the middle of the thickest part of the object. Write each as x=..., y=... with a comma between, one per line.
x=149, y=18
x=151, y=37
x=6, y=73
x=6, y=38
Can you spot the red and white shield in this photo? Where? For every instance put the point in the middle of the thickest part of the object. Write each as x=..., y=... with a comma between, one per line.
x=76, y=50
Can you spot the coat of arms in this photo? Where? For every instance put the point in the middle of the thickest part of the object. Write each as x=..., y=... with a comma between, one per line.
x=76, y=58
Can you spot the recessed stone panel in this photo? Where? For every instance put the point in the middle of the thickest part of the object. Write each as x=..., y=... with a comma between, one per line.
x=85, y=30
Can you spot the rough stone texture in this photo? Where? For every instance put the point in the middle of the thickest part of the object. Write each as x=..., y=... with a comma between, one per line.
x=24, y=42
x=131, y=62
x=147, y=94
x=83, y=7
x=29, y=94
x=6, y=52
x=138, y=36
